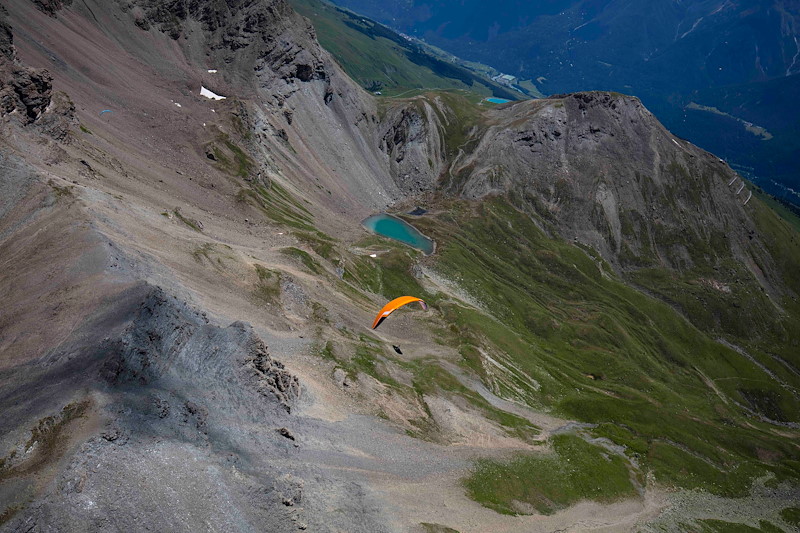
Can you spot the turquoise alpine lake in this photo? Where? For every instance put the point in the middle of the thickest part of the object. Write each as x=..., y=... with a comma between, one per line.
x=399, y=230
x=498, y=100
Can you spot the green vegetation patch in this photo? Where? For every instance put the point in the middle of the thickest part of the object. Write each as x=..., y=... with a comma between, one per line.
x=323, y=245
x=430, y=378
x=47, y=441
x=787, y=211
x=191, y=223
x=277, y=204
x=47, y=432
x=242, y=164
x=5, y=462
x=9, y=513
x=574, y=338
x=390, y=274
x=730, y=301
x=367, y=358
x=791, y=515
x=720, y=526
x=304, y=257
x=366, y=354
x=362, y=356
x=268, y=287
x=460, y=115
x=326, y=351
x=203, y=252
x=379, y=59
x=678, y=466
x=208, y=253
x=61, y=192
x=229, y=156
x=576, y=471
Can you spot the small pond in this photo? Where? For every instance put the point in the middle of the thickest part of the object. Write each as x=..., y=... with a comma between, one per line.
x=399, y=230
x=497, y=100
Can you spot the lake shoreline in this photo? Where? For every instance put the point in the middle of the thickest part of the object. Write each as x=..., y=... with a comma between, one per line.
x=392, y=227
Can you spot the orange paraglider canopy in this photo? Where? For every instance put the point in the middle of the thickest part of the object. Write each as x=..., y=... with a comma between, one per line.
x=394, y=304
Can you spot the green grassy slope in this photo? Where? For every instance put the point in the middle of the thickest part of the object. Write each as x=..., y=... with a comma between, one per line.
x=380, y=59
x=604, y=353
x=569, y=337
x=577, y=470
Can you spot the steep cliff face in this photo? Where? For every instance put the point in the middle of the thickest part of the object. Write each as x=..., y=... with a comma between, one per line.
x=303, y=92
x=51, y=7
x=602, y=170
x=410, y=136
x=268, y=36
x=7, y=50
x=26, y=93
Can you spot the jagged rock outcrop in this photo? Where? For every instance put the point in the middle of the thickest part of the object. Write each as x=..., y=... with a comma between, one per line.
x=168, y=342
x=6, y=36
x=270, y=377
x=26, y=93
x=278, y=43
x=51, y=7
x=58, y=118
x=410, y=137
x=161, y=390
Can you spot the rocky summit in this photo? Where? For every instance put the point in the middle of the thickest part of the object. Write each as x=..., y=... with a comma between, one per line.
x=611, y=332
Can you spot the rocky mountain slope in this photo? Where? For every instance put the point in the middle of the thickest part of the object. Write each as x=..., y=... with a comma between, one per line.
x=586, y=164
x=716, y=54
x=604, y=155
x=91, y=221
x=184, y=338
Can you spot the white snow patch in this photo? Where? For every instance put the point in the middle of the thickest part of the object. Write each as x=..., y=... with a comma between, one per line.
x=212, y=71
x=177, y=104
x=208, y=94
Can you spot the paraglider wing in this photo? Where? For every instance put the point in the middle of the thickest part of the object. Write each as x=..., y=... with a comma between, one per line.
x=105, y=111
x=394, y=304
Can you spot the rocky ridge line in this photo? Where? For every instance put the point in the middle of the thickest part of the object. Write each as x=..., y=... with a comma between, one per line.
x=168, y=340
